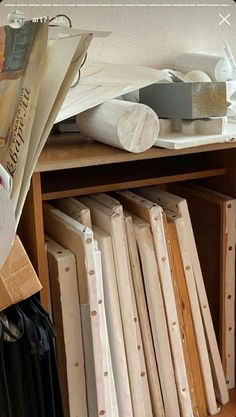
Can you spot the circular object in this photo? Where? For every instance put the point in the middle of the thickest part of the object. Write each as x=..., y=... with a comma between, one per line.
x=138, y=128
x=223, y=70
x=197, y=76
x=7, y=224
x=125, y=125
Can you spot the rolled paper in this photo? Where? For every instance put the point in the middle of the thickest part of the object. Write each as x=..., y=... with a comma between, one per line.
x=217, y=67
x=125, y=125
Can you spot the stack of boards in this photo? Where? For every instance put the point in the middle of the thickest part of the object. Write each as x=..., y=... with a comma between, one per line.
x=135, y=336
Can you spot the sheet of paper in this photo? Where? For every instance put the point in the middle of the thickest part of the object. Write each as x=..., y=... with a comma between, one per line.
x=178, y=141
x=101, y=82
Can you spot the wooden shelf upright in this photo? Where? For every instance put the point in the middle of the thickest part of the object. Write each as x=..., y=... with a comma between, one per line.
x=71, y=165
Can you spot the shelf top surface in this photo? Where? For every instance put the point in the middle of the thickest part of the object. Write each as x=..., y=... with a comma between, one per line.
x=66, y=151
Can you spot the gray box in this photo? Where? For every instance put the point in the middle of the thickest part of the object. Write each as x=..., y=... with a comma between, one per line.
x=182, y=100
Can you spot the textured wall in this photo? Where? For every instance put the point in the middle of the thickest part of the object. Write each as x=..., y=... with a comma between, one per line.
x=146, y=35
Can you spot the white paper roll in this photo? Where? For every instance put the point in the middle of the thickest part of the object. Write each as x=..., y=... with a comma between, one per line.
x=217, y=67
x=130, y=126
x=7, y=224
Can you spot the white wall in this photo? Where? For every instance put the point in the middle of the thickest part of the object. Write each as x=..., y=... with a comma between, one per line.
x=145, y=35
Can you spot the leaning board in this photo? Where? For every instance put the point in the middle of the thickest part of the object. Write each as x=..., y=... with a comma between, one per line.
x=111, y=222
x=185, y=309
x=214, y=225
x=151, y=363
x=154, y=214
x=109, y=202
x=66, y=316
x=79, y=240
x=179, y=206
x=56, y=230
x=112, y=306
x=157, y=316
x=74, y=209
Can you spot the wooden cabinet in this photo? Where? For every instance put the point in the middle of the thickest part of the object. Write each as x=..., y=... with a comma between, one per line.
x=71, y=166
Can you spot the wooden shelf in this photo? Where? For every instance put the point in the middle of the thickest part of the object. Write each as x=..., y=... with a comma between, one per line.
x=87, y=180
x=229, y=410
x=67, y=151
x=71, y=165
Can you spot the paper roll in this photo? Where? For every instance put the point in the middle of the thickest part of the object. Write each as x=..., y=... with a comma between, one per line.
x=130, y=126
x=7, y=224
x=217, y=67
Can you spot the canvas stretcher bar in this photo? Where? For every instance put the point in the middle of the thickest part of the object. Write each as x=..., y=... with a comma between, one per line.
x=189, y=340
x=73, y=208
x=76, y=209
x=151, y=363
x=110, y=391
x=112, y=306
x=111, y=222
x=154, y=214
x=109, y=202
x=157, y=316
x=65, y=300
x=224, y=229
x=79, y=240
x=179, y=206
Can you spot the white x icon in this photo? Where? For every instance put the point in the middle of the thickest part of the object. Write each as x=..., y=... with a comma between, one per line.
x=225, y=19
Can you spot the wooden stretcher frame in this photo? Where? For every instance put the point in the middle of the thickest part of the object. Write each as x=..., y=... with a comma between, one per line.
x=227, y=208
x=66, y=313
x=109, y=202
x=112, y=305
x=75, y=209
x=147, y=339
x=204, y=361
x=154, y=214
x=186, y=353
x=185, y=309
x=56, y=234
x=179, y=206
x=79, y=239
x=138, y=378
x=111, y=222
x=109, y=382
x=157, y=316
x=92, y=401
x=80, y=213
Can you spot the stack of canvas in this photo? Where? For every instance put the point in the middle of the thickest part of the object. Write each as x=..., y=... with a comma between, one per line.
x=135, y=334
x=213, y=217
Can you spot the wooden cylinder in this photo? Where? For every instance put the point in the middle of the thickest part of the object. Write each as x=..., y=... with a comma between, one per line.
x=7, y=224
x=130, y=126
